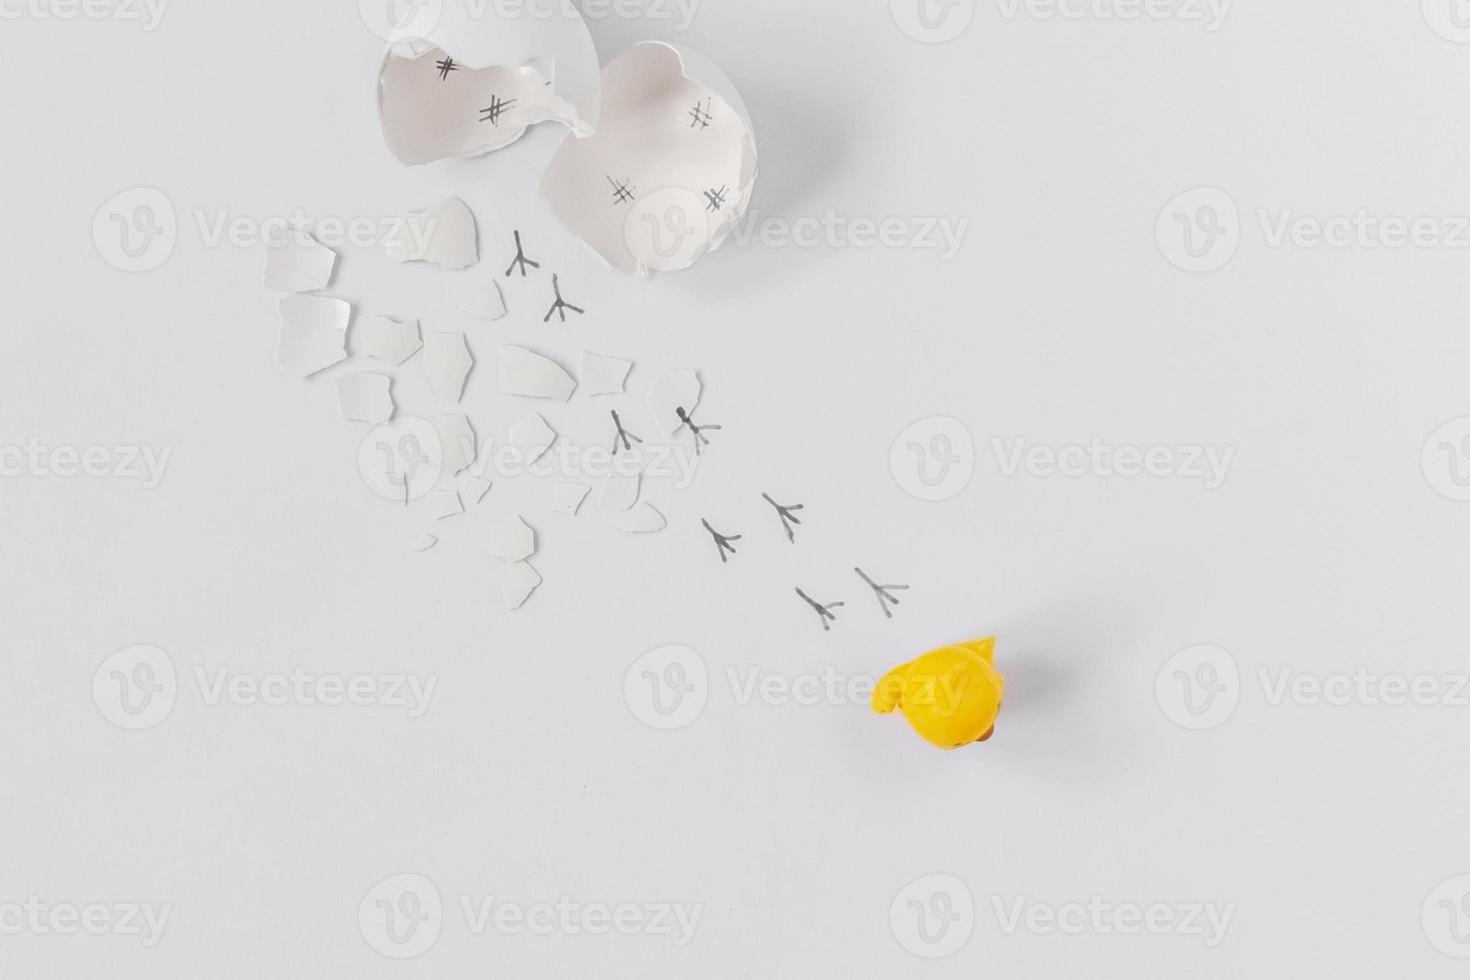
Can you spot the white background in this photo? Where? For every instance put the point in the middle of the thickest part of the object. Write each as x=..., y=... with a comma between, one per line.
x=795, y=827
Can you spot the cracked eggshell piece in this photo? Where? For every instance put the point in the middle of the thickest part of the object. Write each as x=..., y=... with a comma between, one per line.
x=365, y=397
x=313, y=333
x=669, y=173
x=442, y=235
x=622, y=486
x=447, y=363
x=524, y=372
x=444, y=504
x=512, y=540
x=475, y=488
x=520, y=581
x=425, y=542
x=295, y=262
x=458, y=445
x=481, y=73
x=604, y=375
x=387, y=339
x=567, y=498
x=642, y=519
x=674, y=390
x=531, y=437
x=484, y=301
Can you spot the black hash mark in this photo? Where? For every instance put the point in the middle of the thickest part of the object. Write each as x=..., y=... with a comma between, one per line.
x=497, y=108
x=623, y=191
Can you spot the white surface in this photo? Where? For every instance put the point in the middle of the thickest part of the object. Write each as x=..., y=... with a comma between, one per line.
x=797, y=828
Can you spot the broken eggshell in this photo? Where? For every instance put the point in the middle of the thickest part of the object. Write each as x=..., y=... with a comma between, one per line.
x=668, y=174
x=482, y=75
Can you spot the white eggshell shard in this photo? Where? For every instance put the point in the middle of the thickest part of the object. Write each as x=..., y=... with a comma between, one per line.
x=482, y=75
x=512, y=540
x=458, y=444
x=365, y=397
x=668, y=174
x=447, y=363
x=387, y=339
x=444, y=235
x=531, y=437
x=520, y=581
x=313, y=333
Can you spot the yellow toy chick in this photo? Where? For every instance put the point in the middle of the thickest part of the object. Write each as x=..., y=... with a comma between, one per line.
x=951, y=695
